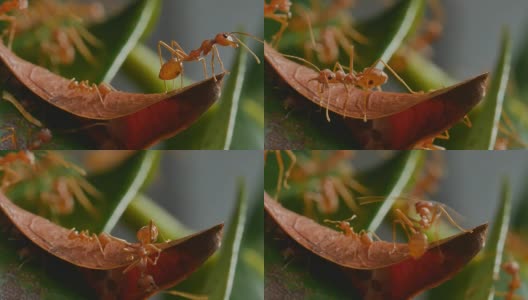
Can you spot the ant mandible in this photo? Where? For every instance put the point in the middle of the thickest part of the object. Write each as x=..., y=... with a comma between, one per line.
x=174, y=67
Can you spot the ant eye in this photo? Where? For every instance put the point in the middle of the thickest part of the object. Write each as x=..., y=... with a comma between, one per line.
x=329, y=77
x=371, y=82
x=225, y=35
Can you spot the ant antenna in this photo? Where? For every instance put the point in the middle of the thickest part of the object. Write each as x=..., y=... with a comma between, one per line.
x=303, y=60
x=338, y=222
x=245, y=46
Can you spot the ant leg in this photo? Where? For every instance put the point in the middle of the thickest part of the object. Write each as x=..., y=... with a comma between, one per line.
x=283, y=20
x=81, y=197
x=293, y=160
x=11, y=99
x=98, y=243
x=94, y=86
x=80, y=45
x=467, y=121
x=89, y=37
x=402, y=223
x=443, y=136
x=219, y=59
x=131, y=266
x=345, y=194
x=202, y=60
x=280, y=164
x=442, y=210
x=212, y=65
x=10, y=137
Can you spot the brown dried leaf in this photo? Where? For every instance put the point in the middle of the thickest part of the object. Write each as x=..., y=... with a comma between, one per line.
x=133, y=121
x=333, y=245
x=351, y=104
x=373, y=269
x=104, y=269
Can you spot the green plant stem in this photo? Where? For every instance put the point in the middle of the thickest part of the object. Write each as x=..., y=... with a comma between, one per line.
x=142, y=209
x=422, y=74
x=142, y=66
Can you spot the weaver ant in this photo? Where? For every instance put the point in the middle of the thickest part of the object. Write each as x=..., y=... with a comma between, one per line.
x=348, y=231
x=368, y=79
x=6, y=7
x=512, y=268
x=278, y=10
x=141, y=254
x=174, y=66
x=429, y=212
x=282, y=181
x=84, y=86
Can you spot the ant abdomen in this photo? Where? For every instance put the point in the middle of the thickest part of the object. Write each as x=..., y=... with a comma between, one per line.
x=418, y=244
x=171, y=69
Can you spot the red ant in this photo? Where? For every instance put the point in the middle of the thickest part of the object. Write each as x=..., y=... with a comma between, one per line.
x=429, y=212
x=368, y=79
x=348, y=231
x=278, y=10
x=513, y=269
x=8, y=6
x=174, y=67
x=84, y=86
x=142, y=252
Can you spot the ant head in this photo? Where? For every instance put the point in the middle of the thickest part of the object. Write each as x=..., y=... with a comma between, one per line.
x=148, y=234
x=373, y=79
x=326, y=76
x=511, y=267
x=423, y=206
x=226, y=39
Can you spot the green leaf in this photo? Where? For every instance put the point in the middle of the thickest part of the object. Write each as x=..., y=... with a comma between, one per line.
x=300, y=126
x=221, y=278
x=118, y=36
x=250, y=271
x=485, y=117
x=476, y=281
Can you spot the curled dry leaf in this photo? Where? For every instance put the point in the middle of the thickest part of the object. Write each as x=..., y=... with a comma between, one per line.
x=103, y=258
x=395, y=120
x=130, y=121
x=379, y=270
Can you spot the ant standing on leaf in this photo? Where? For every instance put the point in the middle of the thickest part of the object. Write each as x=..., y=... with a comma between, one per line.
x=429, y=213
x=278, y=10
x=174, y=66
x=348, y=230
x=6, y=7
x=368, y=79
x=141, y=255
